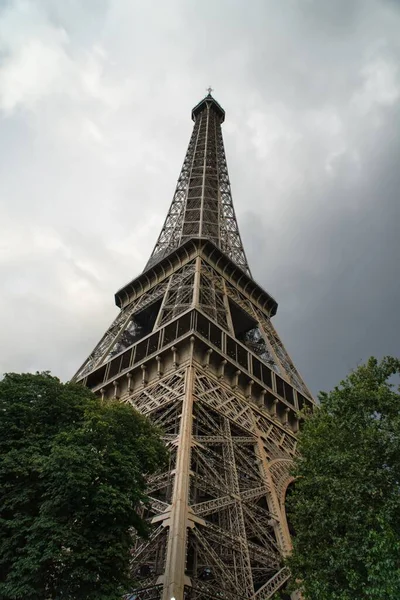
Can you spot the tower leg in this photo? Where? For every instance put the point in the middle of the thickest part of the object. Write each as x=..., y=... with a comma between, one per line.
x=174, y=575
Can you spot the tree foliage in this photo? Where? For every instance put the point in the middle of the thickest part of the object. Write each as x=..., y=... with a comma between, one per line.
x=72, y=474
x=345, y=508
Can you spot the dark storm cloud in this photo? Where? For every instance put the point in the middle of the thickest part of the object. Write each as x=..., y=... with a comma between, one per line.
x=95, y=103
x=338, y=314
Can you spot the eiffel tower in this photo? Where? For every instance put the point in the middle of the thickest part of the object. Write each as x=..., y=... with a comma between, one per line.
x=193, y=348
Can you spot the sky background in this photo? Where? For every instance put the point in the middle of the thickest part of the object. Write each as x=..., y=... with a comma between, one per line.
x=95, y=102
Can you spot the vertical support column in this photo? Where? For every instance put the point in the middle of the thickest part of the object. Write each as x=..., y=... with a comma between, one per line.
x=163, y=303
x=196, y=290
x=228, y=311
x=280, y=525
x=174, y=575
x=203, y=185
x=243, y=573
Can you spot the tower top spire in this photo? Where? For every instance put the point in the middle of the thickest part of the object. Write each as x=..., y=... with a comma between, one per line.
x=208, y=101
x=202, y=205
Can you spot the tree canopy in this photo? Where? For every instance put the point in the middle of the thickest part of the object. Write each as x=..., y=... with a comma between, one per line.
x=345, y=506
x=72, y=476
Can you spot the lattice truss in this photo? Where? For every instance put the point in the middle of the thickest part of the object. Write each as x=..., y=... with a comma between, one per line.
x=179, y=295
x=230, y=240
x=171, y=297
x=279, y=352
x=122, y=332
x=165, y=300
x=212, y=296
x=202, y=204
x=261, y=339
x=171, y=232
x=239, y=470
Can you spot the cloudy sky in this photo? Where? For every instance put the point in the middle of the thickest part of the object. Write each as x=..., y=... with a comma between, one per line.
x=95, y=101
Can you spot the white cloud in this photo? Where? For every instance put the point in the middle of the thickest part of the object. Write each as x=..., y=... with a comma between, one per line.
x=34, y=58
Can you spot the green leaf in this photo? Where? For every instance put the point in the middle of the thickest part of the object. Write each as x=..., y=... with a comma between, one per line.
x=72, y=475
x=345, y=506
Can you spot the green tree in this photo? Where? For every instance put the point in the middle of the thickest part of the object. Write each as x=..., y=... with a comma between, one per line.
x=72, y=475
x=345, y=508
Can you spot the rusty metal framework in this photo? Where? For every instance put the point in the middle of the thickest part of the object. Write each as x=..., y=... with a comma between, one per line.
x=193, y=348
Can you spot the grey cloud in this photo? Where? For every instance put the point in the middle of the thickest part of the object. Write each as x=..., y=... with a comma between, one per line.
x=92, y=146
x=336, y=316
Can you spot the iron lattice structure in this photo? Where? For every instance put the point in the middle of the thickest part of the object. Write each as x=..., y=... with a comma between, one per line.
x=194, y=349
x=202, y=204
